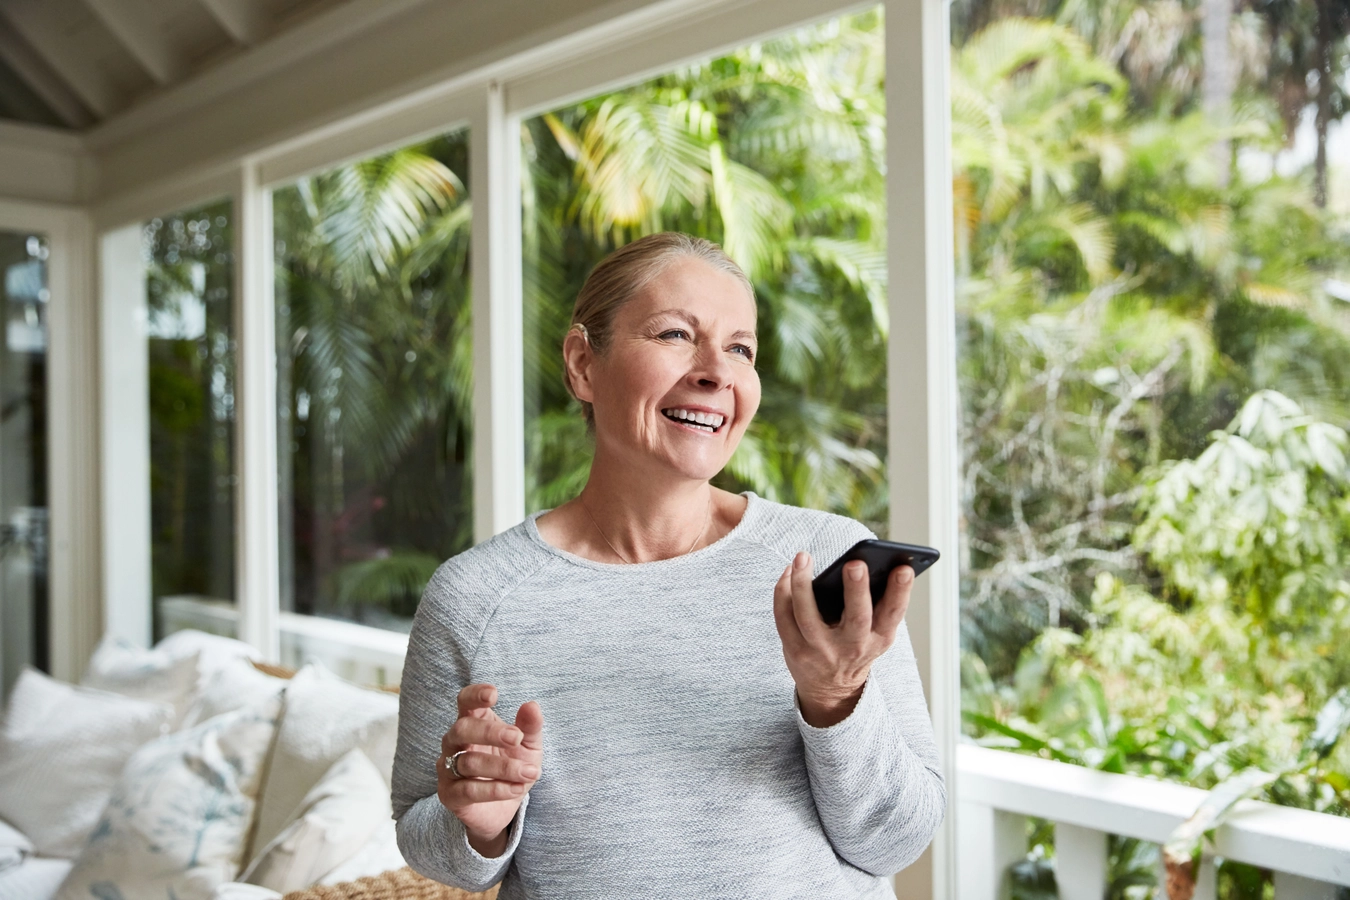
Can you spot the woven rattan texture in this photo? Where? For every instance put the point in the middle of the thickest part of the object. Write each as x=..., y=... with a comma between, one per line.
x=397, y=884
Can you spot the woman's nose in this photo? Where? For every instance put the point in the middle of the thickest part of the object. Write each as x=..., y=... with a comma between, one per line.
x=711, y=369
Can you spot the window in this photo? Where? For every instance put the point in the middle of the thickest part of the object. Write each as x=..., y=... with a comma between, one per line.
x=374, y=384
x=1152, y=261
x=24, y=619
x=774, y=151
x=189, y=274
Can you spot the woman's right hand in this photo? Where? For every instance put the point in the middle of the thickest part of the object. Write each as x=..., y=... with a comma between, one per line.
x=500, y=766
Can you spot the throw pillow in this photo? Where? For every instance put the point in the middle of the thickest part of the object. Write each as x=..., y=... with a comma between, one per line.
x=379, y=855
x=37, y=879
x=61, y=749
x=123, y=668
x=14, y=846
x=213, y=650
x=177, y=821
x=325, y=717
x=336, y=819
x=235, y=684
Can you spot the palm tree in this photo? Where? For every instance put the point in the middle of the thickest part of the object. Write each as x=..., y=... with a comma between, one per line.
x=373, y=333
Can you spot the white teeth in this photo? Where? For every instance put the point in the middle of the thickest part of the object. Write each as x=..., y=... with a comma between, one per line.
x=707, y=421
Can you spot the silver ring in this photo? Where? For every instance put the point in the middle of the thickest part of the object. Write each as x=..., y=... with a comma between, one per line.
x=451, y=763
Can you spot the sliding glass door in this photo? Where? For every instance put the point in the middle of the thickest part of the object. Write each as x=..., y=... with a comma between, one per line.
x=24, y=619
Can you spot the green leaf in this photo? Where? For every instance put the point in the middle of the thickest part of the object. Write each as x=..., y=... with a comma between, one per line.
x=1333, y=721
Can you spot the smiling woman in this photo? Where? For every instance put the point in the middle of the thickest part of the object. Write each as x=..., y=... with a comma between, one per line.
x=705, y=727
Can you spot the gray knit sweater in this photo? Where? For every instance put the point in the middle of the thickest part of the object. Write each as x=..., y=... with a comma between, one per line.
x=676, y=763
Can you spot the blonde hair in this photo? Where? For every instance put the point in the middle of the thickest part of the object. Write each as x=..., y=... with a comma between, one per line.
x=625, y=273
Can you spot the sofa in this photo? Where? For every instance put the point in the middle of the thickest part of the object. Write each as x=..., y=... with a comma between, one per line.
x=191, y=771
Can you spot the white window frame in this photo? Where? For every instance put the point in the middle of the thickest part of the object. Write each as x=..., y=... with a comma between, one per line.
x=72, y=439
x=493, y=100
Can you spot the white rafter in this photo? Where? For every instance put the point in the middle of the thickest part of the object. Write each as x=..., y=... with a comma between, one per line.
x=39, y=76
x=144, y=39
x=247, y=21
x=36, y=22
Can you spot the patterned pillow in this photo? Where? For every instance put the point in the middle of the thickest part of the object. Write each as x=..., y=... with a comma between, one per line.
x=178, y=819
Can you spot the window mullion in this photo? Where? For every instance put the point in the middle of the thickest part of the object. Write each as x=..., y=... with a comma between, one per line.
x=498, y=322
x=921, y=379
x=125, y=411
x=257, y=559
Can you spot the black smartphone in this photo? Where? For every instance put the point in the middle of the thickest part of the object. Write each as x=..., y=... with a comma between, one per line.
x=881, y=558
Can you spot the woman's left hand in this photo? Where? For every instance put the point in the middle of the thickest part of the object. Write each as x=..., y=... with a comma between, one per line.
x=830, y=663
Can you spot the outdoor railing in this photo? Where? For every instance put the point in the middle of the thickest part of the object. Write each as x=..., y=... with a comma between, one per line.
x=998, y=791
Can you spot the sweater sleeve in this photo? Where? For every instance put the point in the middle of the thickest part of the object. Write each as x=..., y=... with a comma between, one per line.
x=875, y=776
x=433, y=840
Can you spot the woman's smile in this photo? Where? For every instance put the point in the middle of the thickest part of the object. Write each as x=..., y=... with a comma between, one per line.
x=698, y=419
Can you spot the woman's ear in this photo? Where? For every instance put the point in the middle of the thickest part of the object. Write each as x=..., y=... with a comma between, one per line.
x=578, y=358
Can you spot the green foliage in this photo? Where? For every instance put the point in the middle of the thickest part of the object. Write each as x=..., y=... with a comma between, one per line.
x=376, y=368
x=1249, y=540
x=776, y=152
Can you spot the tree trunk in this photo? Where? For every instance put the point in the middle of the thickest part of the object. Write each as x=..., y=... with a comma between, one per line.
x=1219, y=78
x=1324, y=87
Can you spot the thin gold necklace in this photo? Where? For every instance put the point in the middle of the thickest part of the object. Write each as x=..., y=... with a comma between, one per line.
x=615, y=550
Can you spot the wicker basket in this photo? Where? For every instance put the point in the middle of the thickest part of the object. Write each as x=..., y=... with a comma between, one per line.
x=398, y=884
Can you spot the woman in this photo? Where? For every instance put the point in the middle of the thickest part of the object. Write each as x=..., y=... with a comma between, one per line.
x=658, y=747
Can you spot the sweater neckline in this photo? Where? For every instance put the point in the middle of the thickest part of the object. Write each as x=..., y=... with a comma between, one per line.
x=752, y=508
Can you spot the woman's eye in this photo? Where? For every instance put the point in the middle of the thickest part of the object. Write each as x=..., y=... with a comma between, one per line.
x=744, y=351
x=673, y=334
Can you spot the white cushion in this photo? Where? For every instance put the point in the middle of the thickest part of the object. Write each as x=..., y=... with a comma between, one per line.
x=325, y=717
x=234, y=685
x=379, y=855
x=15, y=846
x=236, y=891
x=61, y=750
x=123, y=668
x=37, y=879
x=336, y=819
x=213, y=650
x=178, y=819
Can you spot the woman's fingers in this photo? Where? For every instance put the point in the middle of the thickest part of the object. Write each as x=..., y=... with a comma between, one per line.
x=476, y=696
x=804, y=600
x=857, y=617
x=530, y=724
x=490, y=731
x=474, y=764
x=464, y=791
x=788, y=630
x=890, y=612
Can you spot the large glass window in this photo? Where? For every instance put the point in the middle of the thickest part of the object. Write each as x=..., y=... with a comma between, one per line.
x=375, y=382
x=24, y=619
x=1153, y=259
x=190, y=311
x=775, y=151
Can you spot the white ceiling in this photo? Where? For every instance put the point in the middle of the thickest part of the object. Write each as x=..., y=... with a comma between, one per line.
x=75, y=63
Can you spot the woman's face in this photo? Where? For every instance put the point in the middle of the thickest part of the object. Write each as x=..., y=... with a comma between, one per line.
x=677, y=386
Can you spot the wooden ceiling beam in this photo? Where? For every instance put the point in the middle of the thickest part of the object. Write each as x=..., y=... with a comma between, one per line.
x=40, y=77
x=36, y=23
x=145, y=41
x=247, y=21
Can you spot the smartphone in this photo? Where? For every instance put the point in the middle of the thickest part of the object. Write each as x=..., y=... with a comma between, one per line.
x=881, y=558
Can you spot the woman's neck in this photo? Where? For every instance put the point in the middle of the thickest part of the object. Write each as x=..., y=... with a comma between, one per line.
x=640, y=521
x=634, y=518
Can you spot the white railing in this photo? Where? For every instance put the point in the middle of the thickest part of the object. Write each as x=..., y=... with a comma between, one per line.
x=358, y=653
x=998, y=791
